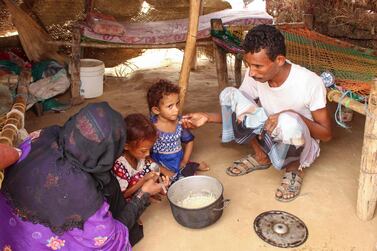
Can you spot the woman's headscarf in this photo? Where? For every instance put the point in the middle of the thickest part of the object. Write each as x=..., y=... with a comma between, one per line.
x=59, y=183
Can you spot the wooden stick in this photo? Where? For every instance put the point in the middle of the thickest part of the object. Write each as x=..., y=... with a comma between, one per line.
x=367, y=193
x=290, y=25
x=74, y=67
x=335, y=96
x=9, y=42
x=104, y=45
x=308, y=20
x=221, y=66
x=237, y=70
x=189, y=49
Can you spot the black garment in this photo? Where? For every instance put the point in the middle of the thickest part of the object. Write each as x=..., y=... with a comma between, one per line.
x=126, y=212
x=59, y=184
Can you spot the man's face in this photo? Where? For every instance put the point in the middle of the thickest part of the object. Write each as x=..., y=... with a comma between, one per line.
x=261, y=68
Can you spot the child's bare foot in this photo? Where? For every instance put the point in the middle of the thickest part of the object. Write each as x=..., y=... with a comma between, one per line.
x=203, y=166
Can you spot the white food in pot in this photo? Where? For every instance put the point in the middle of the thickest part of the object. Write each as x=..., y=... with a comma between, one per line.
x=199, y=200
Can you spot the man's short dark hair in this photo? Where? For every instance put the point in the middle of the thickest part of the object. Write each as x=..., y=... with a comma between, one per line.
x=265, y=37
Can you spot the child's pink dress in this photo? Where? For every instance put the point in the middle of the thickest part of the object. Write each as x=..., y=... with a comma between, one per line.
x=126, y=175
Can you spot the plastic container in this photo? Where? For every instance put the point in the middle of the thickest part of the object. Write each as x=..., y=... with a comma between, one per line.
x=91, y=76
x=346, y=114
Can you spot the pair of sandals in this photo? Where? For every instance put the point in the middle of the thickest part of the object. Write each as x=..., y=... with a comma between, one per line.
x=289, y=188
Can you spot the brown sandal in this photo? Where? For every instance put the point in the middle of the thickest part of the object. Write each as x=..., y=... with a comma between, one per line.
x=245, y=165
x=291, y=183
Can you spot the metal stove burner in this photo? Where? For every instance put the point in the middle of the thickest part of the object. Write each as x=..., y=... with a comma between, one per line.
x=280, y=229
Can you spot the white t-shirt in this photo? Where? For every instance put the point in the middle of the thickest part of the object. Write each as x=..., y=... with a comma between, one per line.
x=303, y=91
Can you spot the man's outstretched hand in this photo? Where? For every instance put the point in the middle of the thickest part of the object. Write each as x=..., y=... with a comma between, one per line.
x=194, y=120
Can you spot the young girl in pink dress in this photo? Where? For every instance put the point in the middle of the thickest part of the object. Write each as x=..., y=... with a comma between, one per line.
x=134, y=168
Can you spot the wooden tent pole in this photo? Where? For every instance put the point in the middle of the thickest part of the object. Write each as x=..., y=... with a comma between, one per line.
x=367, y=194
x=74, y=67
x=194, y=63
x=189, y=50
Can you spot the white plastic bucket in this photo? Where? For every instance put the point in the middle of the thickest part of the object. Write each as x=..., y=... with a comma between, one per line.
x=91, y=76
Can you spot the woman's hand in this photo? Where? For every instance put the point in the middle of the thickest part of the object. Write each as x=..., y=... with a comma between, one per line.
x=151, y=175
x=152, y=187
x=8, y=156
x=165, y=181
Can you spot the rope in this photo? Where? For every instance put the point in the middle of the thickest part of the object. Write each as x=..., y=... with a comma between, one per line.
x=19, y=113
x=338, y=112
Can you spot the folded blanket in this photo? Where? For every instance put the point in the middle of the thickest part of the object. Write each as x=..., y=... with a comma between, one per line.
x=174, y=31
x=104, y=24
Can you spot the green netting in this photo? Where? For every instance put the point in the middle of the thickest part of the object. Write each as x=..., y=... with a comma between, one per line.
x=354, y=69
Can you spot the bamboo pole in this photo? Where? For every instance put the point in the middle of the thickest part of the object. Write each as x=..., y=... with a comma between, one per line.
x=194, y=63
x=367, y=193
x=335, y=96
x=189, y=49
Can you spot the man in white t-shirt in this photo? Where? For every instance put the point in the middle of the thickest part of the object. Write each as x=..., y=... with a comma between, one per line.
x=281, y=87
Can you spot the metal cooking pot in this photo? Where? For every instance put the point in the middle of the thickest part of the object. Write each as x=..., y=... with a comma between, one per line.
x=198, y=217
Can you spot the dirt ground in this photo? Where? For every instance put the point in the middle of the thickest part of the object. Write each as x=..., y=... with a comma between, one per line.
x=327, y=203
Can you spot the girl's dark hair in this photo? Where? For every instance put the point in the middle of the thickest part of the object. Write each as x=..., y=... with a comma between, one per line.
x=139, y=128
x=158, y=90
x=265, y=37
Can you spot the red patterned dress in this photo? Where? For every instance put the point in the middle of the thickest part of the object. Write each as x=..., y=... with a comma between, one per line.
x=128, y=176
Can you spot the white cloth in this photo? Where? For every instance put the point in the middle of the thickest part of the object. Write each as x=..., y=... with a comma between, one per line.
x=291, y=130
x=246, y=110
x=303, y=92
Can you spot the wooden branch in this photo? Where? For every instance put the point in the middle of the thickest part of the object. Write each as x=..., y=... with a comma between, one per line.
x=221, y=67
x=189, y=50
x=290, y=25
x=89, y=6
x=367, y=193
x=335, y=96
x=130, y=46
x=74, y=67
x=237, y=70
x=11, y=41
x=308, y=20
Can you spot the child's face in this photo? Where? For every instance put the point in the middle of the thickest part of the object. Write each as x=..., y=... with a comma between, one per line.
x=169, y=107
x=140, y=149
